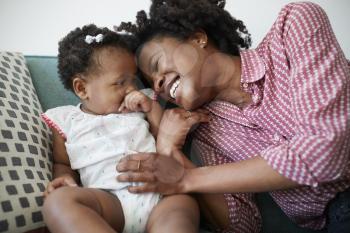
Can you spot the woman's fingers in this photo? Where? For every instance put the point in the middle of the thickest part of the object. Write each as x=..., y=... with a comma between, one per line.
x=136, y=177
x=153, y=188
x=136, y=162
x=203, y=110
x=164, y=169
x=146, y=188
x=128, y=165
x=200, y=115
x=158, y=173
x=136, y=156
x=196, y=118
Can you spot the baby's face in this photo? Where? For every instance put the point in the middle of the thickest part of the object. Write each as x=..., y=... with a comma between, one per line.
x=114, y=78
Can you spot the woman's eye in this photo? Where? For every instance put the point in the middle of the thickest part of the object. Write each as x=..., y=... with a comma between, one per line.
x=157, y=66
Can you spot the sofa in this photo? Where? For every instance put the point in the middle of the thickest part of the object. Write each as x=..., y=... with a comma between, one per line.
x=28, y=86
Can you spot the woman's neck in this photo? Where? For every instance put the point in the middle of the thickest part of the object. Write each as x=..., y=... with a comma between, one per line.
x=229, y=89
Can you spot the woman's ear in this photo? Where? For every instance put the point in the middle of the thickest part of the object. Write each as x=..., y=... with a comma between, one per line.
x=200, y=38
x=79, y=86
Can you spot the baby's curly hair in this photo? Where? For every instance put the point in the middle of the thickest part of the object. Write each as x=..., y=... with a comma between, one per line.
x=76, y=56
x=182, y=18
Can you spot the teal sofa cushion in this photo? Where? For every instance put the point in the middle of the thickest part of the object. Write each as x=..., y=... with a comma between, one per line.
x=49, y=88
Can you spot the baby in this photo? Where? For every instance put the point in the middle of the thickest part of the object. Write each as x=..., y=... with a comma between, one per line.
x=112, y=120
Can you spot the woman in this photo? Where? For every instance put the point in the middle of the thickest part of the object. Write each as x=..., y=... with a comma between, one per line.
x=280, y=114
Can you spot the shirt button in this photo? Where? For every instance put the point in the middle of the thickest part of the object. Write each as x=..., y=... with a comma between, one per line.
x=337, y=176
x=245, y=85
x=255, y=98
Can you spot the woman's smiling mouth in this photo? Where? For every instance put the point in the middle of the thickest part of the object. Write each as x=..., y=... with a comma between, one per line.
x=173, y=89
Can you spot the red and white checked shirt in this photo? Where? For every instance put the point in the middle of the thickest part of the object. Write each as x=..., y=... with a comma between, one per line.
x=299, y=121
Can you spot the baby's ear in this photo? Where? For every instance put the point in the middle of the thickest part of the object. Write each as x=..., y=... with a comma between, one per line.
x=79, y=86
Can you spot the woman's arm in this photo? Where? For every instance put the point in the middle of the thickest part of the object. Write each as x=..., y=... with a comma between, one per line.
x=164, y=174
x=252, y=175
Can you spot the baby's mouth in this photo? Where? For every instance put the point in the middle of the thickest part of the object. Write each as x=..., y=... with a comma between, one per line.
x=174, y=87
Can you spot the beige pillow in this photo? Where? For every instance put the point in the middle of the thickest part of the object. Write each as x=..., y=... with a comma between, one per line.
x=25, y=154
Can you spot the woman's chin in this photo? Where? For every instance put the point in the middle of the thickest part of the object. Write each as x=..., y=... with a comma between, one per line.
x=190, y=105
x=190, y=98
x=187, y=103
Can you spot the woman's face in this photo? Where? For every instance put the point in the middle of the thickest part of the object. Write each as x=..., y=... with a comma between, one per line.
x=181, y=71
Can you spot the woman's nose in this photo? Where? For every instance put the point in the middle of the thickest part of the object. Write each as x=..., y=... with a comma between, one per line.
x=159, y=84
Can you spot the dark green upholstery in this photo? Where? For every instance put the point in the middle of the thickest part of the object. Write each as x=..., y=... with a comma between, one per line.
x=51, y=94
x=49, y=88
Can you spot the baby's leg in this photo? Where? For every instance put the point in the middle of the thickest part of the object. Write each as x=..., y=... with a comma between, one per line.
x=76, y=209
x=177, y=213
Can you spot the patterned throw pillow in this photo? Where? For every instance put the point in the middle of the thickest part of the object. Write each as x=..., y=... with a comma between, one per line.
x=25, y=154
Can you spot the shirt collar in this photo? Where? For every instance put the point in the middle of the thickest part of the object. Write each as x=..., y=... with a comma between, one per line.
x=253, y=68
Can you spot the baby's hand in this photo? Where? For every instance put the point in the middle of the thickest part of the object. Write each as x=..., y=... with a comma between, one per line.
x=136, y=101
x=59, y=182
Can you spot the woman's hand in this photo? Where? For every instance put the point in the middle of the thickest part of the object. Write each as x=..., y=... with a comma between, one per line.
x=161, y=174
x=174, y=127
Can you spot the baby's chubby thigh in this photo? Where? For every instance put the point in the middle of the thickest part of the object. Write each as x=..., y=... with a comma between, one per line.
x=82, y=209
x=136, y=208
x=175, y=214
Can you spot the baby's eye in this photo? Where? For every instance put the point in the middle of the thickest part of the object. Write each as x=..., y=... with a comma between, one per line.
x=120, y=82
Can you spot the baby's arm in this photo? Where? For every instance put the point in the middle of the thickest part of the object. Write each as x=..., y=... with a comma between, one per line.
x=154, y=116
x=63, y=175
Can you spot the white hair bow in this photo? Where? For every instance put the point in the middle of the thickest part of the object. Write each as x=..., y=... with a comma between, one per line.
x=98, y=38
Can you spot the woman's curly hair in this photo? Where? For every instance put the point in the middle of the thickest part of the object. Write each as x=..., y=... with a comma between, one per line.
x=76, y=56
x=182, y=18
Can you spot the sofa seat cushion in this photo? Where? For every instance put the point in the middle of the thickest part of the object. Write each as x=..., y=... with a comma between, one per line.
x=25, y=154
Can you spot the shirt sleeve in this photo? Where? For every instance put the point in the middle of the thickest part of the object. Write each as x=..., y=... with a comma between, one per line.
x=56, y=118
x=319, y=93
